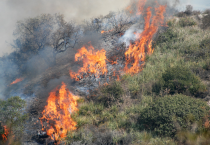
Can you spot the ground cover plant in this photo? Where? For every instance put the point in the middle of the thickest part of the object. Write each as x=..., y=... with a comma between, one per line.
x=166, y=103
x=171, y=82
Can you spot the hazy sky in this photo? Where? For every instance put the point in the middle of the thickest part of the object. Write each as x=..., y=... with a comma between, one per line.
x=14, y=10
x=197, y=4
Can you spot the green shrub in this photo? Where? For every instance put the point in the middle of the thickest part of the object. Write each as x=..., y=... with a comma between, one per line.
x=206, y=66
x=205, y=43
x=166, y=115
x=179, y=79
x=187, y=21
x=13, y=116
x=110, y=94
x=167, y=36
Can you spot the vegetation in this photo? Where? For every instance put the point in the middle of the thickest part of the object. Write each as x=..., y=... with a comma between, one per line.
x=164, y=103
x=12, y=116
x=110, y=94
x=168, y=114
x=179, y=79
x=35, y=34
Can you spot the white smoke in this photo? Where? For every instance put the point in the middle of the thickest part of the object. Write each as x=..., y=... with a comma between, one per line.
x=130, y=34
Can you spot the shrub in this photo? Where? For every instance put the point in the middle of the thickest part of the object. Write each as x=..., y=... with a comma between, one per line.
x=167, y=36
x=184, y=22
x=189, y=10
x=13, y=116
x=99, y=136
x=179, y=79
x=111, y=94
x=166, y=115
x=205, y=43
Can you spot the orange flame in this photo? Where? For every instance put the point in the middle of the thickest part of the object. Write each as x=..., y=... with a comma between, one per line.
x=5, y=134
x=94, y=62
x=103, y=31
x=106, y=31
x=137, y=51
x=17, y=81
x=128, y=8
x=140, y=6
x=57, y=113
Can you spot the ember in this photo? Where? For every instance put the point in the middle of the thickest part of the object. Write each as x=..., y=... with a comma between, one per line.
x=17, y=81
x=57, y=113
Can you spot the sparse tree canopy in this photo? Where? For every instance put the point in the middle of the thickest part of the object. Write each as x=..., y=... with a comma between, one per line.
x=34, y=34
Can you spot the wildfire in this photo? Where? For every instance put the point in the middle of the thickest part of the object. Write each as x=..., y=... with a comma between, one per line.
x=137, y=51
x=103, y=31
x=128, y=8
x=57, y=113
x=5, y=134
x=17, y=81
x=106, y=31
x=94, y=62
x=140, y=6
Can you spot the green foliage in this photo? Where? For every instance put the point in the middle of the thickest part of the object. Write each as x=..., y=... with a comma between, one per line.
x=168, y=36
x=111, y=94
x=187, y=21
x=178, y=50
x=206, y=65
x=166, y=115
x=193, y=138
x=205, y=43
x=12, y=115
x=179, y=79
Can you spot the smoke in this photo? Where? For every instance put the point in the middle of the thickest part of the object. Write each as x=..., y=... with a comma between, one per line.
x=129, y=34
x=39, y=63
x=8, y=69
x=75, y=10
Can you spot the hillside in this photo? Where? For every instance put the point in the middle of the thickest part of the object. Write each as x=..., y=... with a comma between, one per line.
x=151, y=107
x=117, y=79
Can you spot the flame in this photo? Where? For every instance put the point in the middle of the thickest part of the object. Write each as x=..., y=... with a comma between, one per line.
x=17, y=81
x=5, y=134
x=106, y=31
x=137, y=51
x=128, y=8
x=94, y=62
x=57, y=113
x=140, y=6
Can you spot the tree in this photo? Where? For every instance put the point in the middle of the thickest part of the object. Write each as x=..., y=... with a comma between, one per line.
x=12, y=117
x=34, y=34
x=189, y=9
